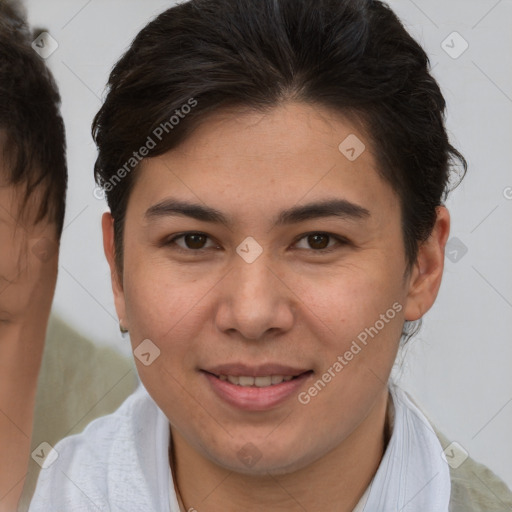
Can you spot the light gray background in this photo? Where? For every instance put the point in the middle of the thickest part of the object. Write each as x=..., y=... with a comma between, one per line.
x=459, y=367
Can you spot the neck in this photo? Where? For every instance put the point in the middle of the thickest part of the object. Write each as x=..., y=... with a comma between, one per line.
x=335, y=482
x=21, y=352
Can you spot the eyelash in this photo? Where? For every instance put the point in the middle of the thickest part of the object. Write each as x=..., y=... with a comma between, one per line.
x=340, y=241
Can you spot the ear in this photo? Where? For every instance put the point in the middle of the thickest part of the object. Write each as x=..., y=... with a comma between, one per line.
x=427, y=272
x=107, y=224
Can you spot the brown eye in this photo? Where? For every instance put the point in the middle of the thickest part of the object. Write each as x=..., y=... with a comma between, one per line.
x=318, y=241
x=195, y=240
x=190, y=242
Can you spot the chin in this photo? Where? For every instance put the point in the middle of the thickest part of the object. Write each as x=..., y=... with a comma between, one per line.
x=251, y=460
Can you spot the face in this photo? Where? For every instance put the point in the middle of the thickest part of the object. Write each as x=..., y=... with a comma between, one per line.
x=255, y=251
x=28, y=258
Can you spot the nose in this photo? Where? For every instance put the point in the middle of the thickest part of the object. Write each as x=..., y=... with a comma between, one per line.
x=255, y=301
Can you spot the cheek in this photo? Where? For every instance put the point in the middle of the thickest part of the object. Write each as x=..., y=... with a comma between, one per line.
x=346, y=302
x=163, y=307
x=166, y=303
x=153, y=292
x=364, y=312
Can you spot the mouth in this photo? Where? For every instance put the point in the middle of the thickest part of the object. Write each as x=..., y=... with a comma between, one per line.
x=248, y=381
x=256, y=389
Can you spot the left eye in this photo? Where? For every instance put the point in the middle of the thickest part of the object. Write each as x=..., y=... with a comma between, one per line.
x=318, y=242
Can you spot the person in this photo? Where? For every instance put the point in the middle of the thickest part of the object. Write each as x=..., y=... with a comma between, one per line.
x=276, y=172
x=33, y=181
x=49, y=385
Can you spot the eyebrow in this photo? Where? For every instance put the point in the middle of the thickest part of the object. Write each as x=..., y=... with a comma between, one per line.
x=340, y=208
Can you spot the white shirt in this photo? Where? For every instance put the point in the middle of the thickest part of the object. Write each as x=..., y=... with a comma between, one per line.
x=119, y=463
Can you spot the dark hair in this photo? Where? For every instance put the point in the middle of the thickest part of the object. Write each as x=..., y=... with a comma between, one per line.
x=351, y=56
x=32, y=131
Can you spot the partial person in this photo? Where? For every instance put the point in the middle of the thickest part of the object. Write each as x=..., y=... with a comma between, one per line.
x=43, y=359
x=33, y=180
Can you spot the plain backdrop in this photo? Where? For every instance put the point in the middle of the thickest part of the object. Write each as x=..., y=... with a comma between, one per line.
x=459, y=366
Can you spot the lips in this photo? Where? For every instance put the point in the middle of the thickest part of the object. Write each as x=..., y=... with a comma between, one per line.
x=256, y=388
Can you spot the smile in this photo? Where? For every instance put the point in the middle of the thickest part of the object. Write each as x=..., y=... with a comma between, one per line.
x=256, y=392
x=259, y=382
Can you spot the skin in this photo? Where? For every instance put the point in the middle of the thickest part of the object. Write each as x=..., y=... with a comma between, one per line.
x=293, y=305
x=27, y=285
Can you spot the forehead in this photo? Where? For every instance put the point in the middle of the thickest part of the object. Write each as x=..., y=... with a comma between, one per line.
x=293, y=153
x=290, y=129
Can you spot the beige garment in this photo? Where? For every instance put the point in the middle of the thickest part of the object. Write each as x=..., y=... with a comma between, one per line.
x=79, y=381
x=475, y=488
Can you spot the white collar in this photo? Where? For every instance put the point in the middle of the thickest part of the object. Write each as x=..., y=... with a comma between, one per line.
x=412, y=475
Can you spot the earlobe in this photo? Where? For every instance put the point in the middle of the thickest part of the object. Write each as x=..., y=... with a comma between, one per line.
x=427, y=273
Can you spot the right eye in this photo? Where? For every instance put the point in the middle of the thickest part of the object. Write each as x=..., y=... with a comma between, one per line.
x=193, y=241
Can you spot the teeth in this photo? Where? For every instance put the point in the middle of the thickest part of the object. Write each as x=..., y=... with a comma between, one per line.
x=259, y=382
x=276, y=379
x=245, y=381
x=233, y=380
x=262, y=382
